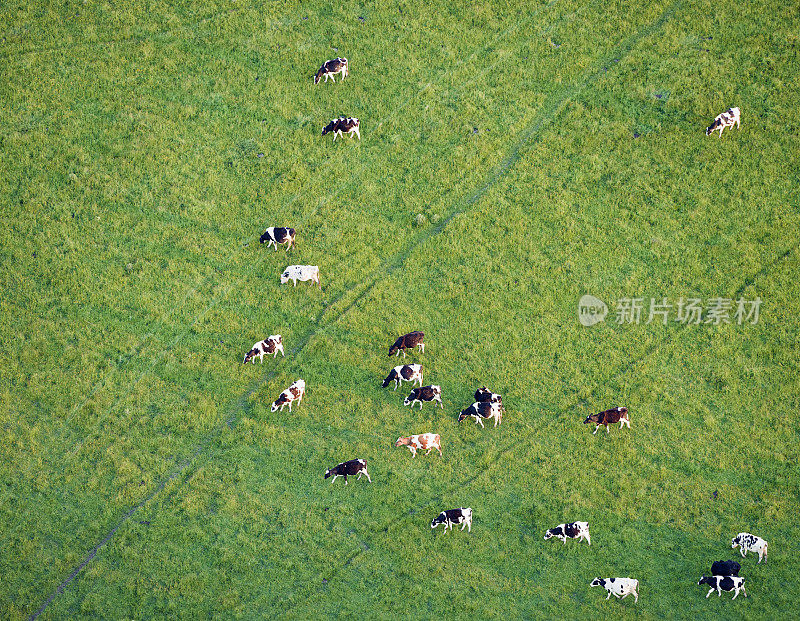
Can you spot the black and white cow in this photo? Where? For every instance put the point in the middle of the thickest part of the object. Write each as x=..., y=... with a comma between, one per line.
x=573, y=530
x=483, y=395
x=341, y=126
x=278, y=235
x=270, y=345
x=408, y=341
x=451, y=517
x=750, y=543
x=609, y=417
x=483, y=409
x=349, y=468
x=404, y=373
x=723, y=583
x=725, y=568
x=330, y=68
x=294, y=393
x=729, y=118
x=424, y=393
x=618, y=587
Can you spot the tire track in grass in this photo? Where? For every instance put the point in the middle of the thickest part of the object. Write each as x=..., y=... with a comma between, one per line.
x=552, y=108
x=320, y=178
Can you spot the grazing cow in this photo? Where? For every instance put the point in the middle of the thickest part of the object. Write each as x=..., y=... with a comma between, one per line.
x=341, y=126
x=330, y=68
x=750, y=543
x=278, y=235
x=404, y=372
x=485, y=409
x=408, y=341
x=270, y=345
x=609, y=417
x=425, y=393
x=424, y=441
x=351, y=468
x=729, y=118
x=723, y=583
x=619, y=587
x=725, y=568
x=451, y=517
x=483, y=395
x=295, y=392
x=301, y=273
x=573, y=530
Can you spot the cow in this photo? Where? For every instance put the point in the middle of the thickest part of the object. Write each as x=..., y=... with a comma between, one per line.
x=270, y=345
x=330, y=68
x=484, y=409
x=424, y=441
x=278, y=235
x=484, y=395
x=609, y=417
x=619, y=587
x=723, y=583
x=750, y=543
x=301, y=273
x=404, y=372
x=408, y=341
x=573, y=530
x=424, y=393
x=451, y=517
x=295, y=392
x=341, y=126
x=349, y=468
x=725, y=568
x=729, y=118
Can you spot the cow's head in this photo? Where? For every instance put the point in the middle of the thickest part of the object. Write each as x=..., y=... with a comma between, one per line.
x=598, y=582
x=592, y=418
x=284, y=278
x=409, y=399
x=463, y=414
x=249, y=355
x=319, y=74
x=715, y=125
x=709, y=580
x=736, y=541
x=401, y=441
x=328, y=128
x=264, y=238
x=327, y=473
x=439, y=519
x=279, y=402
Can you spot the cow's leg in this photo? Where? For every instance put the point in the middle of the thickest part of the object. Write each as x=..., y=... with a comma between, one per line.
x=367, y=475
x=404, y=353
x=290, y=406
x=735, y=593
x=607, y=428
x=618, y=596
x=421, y=348
x=743, y=551
x=439, y=399
x=345, y=479
x=358, y=133
x=719, y=591
x=464, y=525
x=334, y=477
x=479, y=421
x=710, y=591
x=743, y=591
x=635, y=597
x=609, y=595
x=429, y=451
x=596, y=428
x=413, y=451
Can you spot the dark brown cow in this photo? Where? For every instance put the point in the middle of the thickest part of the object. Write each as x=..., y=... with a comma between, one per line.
x=609, y=417
x=330, y=68
x=408, y=341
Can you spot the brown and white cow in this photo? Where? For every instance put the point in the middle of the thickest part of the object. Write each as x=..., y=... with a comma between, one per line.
x=483, y=409
x=349, y=468
x=424, y=441
x=729, y=118
x=408, y=341
x=294, y=393
x=424, y=393
x=404, y=373
x=341, y=126
x=609, y=417
x=278, y=235
x=330, y=68
x=270, y=345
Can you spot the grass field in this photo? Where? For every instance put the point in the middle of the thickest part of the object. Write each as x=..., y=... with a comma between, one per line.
x=514, y=157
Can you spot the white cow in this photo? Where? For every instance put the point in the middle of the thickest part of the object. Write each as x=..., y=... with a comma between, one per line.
x=301, y=273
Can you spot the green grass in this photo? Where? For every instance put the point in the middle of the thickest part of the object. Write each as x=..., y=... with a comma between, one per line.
x=144, y=150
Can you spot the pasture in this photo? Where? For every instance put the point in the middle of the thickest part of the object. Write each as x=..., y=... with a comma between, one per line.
x=514, y=157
